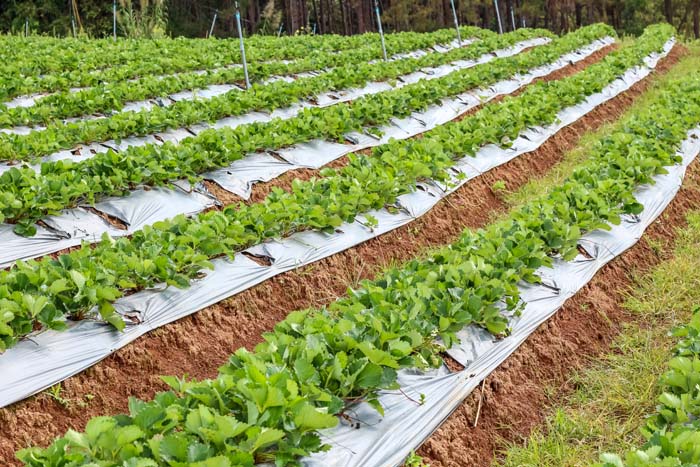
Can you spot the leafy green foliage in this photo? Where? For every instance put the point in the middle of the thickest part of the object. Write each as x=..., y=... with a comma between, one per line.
x=268, y=404
x=351, y=69
x=43, y=64
x=65, y=135
x=90, y=279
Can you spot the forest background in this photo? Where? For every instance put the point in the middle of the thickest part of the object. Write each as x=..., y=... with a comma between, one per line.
x=193, y=18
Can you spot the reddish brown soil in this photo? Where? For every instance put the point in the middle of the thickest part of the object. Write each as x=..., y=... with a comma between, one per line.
x=225, y=196
x=579, y=66
x=515, y=396
x=197, y=345
x=111, y=220
x=284, y=181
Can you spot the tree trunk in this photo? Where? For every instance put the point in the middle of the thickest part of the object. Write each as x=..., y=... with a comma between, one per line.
x=322, y=18
x=286, y=12
x=508, y=20
x=368, y=12
x=590, y=10
x=484, y=15
x=345, y=13
x=681, y=25
x=578, y=13
x=612, y=16
x=253, y=15
x=315, y=12
x=668, y=11
x=696, y=18
x=302, y=13
x=550, y=14
x=360, y=17
x=295, y=14
x=448, y=17
x=331, y=17
x=602, y=13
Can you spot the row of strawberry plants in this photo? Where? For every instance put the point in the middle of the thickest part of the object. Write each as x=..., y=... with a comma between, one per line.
x=218, y=72
x=65, y=135
x=673, y=432
x=347, y=72
x=44, y=293
x=113, y=96
x=268, y=404
x=173, y=56
x=27, y=196
x=47, y=55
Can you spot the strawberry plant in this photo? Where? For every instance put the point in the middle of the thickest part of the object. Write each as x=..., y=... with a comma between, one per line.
x=44, y=64
x=65, y=135
x=673, y=433
x=350, y=70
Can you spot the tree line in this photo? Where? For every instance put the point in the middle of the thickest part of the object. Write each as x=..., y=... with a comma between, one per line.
x=193, y=18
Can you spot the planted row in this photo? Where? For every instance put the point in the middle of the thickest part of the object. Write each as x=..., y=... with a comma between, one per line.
x=268, y=404
x=65, y=135
x=350, y=69
x=44, y=293
x=51, y=55
x=158, y=57
x=26, y=196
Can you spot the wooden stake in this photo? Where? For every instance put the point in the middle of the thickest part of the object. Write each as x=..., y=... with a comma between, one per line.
x=481, y=399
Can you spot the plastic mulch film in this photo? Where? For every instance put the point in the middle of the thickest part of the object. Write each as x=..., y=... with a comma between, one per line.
x=75, y=226
x=371, y=88
x=143, y=207
x=49, y=357
x=81, y=225
x=407, y=425
x=387, y=440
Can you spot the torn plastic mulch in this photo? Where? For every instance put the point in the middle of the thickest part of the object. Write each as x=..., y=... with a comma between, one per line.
x=49, y=357
x=74, y=226
x=146, y=207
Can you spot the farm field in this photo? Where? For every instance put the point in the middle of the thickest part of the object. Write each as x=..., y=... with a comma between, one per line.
x=350, y=262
